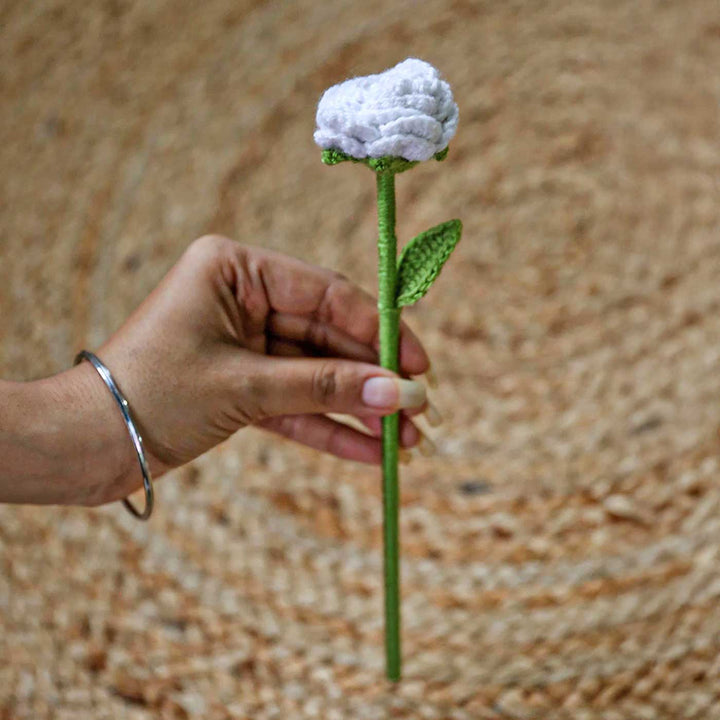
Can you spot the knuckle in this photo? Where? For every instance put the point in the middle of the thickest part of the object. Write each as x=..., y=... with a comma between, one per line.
x=325, y=384
x=209, y=246
x=338, y=294
x=250, y=406
x=317, y=335
x=291, y=426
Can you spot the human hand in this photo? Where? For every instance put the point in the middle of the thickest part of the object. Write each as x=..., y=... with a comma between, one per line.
x=236, y=336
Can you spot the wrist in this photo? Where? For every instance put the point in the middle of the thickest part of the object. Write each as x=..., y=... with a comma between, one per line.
x=66, y=441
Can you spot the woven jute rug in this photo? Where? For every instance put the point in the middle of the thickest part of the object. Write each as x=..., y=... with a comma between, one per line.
x=561, y=550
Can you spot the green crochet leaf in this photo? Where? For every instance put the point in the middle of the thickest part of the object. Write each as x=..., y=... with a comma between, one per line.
x=335, y=157
x=383, y=164
x=422, y=259
x=442, y=154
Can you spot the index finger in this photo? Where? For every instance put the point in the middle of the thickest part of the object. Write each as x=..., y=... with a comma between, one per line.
x=296, y=287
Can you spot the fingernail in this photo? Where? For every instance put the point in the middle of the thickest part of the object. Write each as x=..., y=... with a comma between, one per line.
x=431, y=377
x=426, y=446
x=381, y=392
x=432, y=415
x=405, y=456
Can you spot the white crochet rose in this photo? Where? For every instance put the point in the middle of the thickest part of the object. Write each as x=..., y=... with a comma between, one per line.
x=407, y=111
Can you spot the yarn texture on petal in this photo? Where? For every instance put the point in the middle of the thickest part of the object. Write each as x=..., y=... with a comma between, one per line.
x=423, y=258
x=407, y=111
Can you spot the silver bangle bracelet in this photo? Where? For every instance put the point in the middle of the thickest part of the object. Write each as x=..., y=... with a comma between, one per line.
x=105, y=374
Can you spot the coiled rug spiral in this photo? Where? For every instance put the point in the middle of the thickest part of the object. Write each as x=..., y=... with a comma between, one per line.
x=562, y=547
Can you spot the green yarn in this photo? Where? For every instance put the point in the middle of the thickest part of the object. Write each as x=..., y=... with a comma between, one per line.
x=440, y=156
x=383, y=164
x=423, y=258
x=401, y=281
x=389, y=316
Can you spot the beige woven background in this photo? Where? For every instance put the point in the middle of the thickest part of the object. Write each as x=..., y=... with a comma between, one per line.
x=562, y=548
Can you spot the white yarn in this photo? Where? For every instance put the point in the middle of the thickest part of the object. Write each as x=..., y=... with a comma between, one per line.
x=407, y=111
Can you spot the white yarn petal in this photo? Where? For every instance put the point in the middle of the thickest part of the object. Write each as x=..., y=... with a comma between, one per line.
x=417, y=125
x=407, y=111
x=404, y=146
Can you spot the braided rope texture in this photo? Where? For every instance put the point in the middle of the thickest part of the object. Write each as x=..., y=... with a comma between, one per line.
x=561, y=548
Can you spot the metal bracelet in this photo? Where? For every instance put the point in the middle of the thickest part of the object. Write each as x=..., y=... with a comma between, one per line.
x=107, y=377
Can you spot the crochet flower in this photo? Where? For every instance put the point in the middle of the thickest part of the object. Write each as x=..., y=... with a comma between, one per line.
x=407, y=111
x=390, y=122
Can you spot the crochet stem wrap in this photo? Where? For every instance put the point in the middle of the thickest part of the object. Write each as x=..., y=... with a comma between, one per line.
x=389, y=331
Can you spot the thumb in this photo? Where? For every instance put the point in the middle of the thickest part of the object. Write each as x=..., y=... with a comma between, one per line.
x=275, y=386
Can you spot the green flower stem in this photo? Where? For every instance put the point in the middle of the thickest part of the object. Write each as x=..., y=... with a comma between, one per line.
x=389, y=332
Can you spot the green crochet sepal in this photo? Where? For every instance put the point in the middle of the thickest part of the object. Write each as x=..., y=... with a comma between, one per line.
x=383, y=164
x=422, y=259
